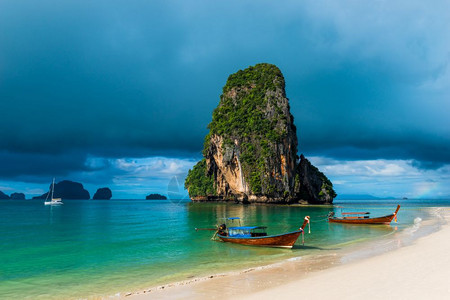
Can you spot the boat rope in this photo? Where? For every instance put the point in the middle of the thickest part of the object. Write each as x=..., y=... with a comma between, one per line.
x=307, y=221
x=321, y=220
x=214, y=236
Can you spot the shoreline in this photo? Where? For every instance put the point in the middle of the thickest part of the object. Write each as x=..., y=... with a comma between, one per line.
x=252, y=280
x=419, y=270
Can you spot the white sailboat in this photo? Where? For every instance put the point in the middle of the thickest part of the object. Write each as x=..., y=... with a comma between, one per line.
x=53, y=201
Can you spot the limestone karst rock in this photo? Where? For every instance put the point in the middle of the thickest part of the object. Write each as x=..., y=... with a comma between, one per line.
x=250, y=152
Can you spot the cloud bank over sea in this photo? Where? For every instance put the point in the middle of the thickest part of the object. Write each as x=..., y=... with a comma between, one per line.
x=121, y=93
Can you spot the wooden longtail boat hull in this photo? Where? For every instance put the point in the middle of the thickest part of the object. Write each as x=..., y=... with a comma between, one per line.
x=286, y=240
x=384, y=220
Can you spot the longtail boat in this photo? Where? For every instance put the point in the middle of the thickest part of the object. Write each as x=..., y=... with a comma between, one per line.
x=362, y=218
x=257, y=235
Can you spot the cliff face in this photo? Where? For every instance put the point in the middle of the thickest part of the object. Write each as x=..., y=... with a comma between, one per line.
x=251, y=149
x=311, y=185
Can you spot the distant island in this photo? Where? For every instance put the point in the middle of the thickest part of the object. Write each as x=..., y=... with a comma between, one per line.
x=155, y=197
x=17, y=196
x=67, y=190
x=3, y=196
x=362, y=197
x=13, y=196
x=250, y=152
x=102, y=194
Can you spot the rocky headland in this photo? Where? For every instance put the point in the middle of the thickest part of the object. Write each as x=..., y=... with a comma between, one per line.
x=250, y=152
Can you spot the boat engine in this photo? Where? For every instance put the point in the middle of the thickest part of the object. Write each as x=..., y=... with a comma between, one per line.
x=222, y=230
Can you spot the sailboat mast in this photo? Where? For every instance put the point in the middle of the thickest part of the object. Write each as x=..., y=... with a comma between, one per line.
x=53, y=188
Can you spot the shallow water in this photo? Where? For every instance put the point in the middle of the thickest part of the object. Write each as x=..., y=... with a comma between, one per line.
x=89, y=249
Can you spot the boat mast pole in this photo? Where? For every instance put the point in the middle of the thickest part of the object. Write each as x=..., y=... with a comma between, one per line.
x=53, y=188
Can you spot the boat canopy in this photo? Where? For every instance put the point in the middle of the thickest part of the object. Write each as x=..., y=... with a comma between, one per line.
x=234, y=218
x=244, y=231
x=247, y=227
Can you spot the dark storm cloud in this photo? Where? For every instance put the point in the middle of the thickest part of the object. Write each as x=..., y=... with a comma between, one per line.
x=140, y=78
x=83, y=76
x=25, y=166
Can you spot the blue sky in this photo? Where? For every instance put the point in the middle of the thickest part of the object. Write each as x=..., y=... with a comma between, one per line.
x=119, y=93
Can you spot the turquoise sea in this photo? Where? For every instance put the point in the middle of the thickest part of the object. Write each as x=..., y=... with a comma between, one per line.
x=95, y=249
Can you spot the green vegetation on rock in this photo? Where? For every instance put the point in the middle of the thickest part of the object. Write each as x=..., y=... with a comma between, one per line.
x=244, y=102
x=242, y=115
x=327, y=189
x=319, y=188
x=198, y=182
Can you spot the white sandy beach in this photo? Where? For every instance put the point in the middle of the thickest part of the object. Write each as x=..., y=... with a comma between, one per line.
x=417, y=271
